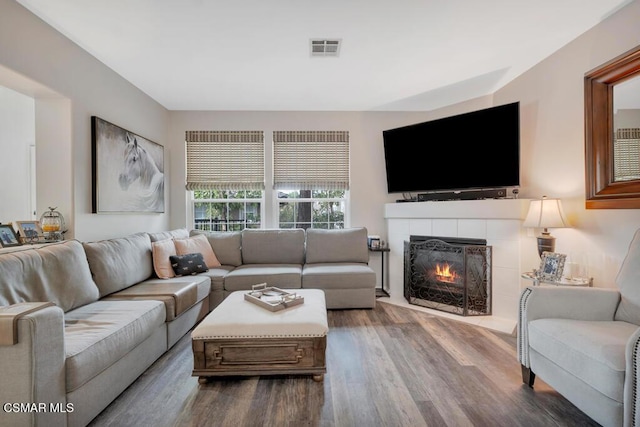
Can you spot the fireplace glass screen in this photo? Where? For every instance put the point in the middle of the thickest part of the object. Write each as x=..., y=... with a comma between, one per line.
x=452, y=276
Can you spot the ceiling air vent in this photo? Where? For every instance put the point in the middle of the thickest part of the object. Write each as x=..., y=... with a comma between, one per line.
x=325, y=47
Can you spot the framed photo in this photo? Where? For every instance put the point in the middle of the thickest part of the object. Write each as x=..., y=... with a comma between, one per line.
x=551, y=266
x=127, y=170
x=8, y=237
x=29, y=230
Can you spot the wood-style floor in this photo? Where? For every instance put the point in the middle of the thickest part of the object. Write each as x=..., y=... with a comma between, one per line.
x=390, y=366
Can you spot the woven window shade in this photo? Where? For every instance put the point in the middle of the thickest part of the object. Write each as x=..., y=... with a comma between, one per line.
x=225, y=160
x=626, y=154
x=311, y=160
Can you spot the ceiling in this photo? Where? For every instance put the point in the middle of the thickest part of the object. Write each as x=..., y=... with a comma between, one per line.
x=396, y=55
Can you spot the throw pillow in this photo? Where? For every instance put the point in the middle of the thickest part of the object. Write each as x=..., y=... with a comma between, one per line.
x=184, y=265
x=197, y=244
x=161, y=251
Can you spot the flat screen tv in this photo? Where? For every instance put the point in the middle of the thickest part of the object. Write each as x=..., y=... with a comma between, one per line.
x=476, y=150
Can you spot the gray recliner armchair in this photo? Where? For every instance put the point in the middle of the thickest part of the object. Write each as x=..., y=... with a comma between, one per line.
x=585, y=343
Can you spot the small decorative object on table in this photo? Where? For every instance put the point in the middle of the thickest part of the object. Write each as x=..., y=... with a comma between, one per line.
x=374, y=242
x=8, y=237
x=53, y=226
x=30, y=231
x=551, y=266
x=272, y=298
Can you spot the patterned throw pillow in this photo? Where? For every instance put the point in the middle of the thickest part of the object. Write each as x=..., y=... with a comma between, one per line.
x=184, y=265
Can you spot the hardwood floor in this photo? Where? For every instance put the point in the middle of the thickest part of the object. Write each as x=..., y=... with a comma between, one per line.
x=390, y=366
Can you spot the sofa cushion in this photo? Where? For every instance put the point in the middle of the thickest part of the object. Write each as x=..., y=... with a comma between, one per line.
x=218, y=274
x=589, y=350
x=273, y=246
x=226, y=245
x=197, y=244
x=119, y=263
x=178, y=294
x=161, y=251
x=627, y=281
x=348, y=245
x=338, y=276
x=179, y=233
x=99, y=334
x=58, y=273
x=280, y=275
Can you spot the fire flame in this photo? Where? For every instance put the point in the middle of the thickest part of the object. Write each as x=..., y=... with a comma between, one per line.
x=445, y=273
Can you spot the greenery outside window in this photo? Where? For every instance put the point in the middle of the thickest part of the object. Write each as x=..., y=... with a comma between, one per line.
x=227, y=210
x=312, y=209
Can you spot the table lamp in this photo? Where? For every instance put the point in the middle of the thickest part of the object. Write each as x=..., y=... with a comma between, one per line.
x=545, y=214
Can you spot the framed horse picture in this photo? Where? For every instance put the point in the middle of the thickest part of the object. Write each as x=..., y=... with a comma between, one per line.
x=128, y=170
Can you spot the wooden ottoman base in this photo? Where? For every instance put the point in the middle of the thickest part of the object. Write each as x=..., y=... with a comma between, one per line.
x=240, y=338
x=260, y=356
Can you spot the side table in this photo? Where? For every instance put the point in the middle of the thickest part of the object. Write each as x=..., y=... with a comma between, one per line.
x=381, y=292
x=581, y=282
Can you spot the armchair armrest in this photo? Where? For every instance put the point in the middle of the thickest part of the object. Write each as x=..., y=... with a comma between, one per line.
x=569, y=303
x=562, y=303
x=32, y=364
x=631, y=402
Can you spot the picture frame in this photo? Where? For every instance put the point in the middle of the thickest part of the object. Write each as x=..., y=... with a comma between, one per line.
x=30, y=231
x=8, y=237
x=551, y=266
x=127, y=171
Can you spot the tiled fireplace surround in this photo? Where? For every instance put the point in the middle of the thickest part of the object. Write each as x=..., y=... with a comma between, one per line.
x=498, y=221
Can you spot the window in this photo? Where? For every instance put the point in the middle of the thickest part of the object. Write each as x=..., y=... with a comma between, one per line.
x=626, y=152
x=311, y=178
x=225, y=173
x=226, y=210
x=311, y=209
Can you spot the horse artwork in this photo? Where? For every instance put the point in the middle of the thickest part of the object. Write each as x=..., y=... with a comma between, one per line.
x=128, y=170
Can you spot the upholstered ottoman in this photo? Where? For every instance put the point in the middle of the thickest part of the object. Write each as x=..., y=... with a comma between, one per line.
x=241, y=338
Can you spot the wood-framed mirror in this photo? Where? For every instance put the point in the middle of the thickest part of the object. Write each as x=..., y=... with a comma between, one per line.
x=612, y=133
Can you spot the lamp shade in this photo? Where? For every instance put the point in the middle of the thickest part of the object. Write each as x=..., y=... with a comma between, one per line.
x=545, y=213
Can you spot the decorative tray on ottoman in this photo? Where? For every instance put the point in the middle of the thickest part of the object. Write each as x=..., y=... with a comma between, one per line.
x=272, y=298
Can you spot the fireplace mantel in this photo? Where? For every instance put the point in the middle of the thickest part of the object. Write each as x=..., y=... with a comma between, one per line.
x=499, y=221
x=477, y=209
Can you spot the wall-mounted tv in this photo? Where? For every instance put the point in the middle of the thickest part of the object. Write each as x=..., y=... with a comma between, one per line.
x=476, y=150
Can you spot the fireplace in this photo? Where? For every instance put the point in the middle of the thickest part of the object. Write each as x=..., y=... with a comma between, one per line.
x=448, y=274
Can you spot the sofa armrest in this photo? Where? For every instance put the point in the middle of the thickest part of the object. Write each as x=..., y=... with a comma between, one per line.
x=540, y=302
x=10, y=315
x=33, y=368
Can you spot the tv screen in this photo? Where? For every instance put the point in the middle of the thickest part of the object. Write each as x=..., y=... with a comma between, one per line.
x=475, y=150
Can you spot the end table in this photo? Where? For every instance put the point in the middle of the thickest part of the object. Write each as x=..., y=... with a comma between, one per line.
x=381, y=292
x=582, y=282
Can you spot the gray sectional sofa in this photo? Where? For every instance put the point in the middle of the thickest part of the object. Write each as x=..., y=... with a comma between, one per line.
x=79, y=322
x=332, y=260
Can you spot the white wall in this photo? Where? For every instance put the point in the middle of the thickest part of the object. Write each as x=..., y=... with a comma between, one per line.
x=17, y=134
x=38, y=52
x=551, y=96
